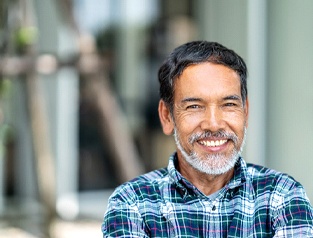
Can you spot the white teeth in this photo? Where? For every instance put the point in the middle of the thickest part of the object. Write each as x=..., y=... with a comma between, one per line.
x=213, y=142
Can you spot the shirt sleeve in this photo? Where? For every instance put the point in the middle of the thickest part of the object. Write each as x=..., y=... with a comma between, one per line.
x=294, y=215
x=122, y=219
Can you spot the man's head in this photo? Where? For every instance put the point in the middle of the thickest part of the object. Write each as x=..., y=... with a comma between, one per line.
x=204, y=102
x=194, y=53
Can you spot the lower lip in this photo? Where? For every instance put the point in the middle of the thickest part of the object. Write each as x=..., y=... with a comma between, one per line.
x=214, y=148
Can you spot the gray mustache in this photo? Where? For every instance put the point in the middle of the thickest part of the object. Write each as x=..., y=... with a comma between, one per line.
x=221, y=134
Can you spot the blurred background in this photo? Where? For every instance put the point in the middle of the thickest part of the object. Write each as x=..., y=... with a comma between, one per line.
x=79, y=96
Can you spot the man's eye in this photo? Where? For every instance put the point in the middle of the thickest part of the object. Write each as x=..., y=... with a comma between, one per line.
x=230, y=104
x=193, y=107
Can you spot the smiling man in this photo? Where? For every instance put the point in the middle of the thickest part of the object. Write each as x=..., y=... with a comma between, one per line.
x=207, y=189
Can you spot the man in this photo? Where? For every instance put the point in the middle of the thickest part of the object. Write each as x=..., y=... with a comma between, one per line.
x=207, y=190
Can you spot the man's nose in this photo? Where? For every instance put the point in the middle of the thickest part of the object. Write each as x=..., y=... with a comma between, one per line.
x=213, y=119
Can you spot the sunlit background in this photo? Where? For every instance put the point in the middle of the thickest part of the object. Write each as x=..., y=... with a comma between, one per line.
x=79, y=95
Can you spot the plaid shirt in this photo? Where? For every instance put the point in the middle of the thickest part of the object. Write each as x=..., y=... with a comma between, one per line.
x=257, y=202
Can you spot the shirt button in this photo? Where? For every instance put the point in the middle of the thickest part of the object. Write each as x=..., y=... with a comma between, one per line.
x=214, y=208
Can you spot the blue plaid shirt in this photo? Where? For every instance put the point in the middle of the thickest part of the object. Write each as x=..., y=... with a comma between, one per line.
x=257, y=202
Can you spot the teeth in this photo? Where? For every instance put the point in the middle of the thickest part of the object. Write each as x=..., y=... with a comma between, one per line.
x=213, y=142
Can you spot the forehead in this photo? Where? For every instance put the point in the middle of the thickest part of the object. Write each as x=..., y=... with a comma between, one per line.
x=208, y=79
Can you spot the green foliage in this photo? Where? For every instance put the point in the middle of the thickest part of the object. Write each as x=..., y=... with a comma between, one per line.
x=5, y=87
x=25, y=36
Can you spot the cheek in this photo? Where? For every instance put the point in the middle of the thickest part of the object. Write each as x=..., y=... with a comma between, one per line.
x=235, y=118
x=188, y=123
x=237, y=126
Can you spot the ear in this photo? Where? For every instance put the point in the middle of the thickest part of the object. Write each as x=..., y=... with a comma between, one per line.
x=166, y=118
x=246, y=111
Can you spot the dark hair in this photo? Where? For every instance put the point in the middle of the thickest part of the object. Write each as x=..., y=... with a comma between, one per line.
x=196, y=52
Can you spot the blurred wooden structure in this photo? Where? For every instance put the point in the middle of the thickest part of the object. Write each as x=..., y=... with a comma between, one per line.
x=31, y=65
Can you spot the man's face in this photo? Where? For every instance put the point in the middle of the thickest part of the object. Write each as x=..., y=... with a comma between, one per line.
x=209, y=117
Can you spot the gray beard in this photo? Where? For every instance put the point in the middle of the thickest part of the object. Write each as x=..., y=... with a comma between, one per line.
x=214, y=164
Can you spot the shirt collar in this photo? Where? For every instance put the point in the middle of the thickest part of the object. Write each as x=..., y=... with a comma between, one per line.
x=173, y=172
x=240, y=175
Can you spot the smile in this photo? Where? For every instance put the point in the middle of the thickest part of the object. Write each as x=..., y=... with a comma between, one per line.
x=212, y=143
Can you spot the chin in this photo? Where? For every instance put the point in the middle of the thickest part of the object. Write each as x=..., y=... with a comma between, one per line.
x=213, y=165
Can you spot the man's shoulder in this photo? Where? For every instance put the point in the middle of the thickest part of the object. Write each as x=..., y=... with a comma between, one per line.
x=143, y=186
x=150, y=177
x=264, y=178
x=262, y=172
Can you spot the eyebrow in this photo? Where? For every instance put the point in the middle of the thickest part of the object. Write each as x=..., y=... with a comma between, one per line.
x=233, y=97
x=230, y=97
x=191, y=100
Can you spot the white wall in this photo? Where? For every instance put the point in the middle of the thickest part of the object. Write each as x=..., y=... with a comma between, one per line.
x=275, y=39
x=290, y=89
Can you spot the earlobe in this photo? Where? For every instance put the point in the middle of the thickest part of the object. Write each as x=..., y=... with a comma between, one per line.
x=165, y=118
